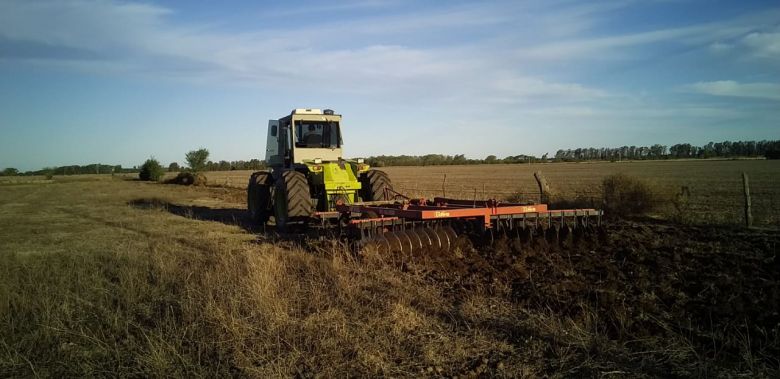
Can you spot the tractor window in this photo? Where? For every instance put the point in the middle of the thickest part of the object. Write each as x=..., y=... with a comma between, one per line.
x=317, y=134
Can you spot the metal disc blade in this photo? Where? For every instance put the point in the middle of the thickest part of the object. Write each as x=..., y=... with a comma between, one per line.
x=446, y=242
x=425, y=239
x=396, y=246
x=406, y=241
x=433, y=237
x=414, y=239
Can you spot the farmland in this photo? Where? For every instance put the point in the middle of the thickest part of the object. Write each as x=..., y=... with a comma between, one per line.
x=716, y=191
x=107, y=276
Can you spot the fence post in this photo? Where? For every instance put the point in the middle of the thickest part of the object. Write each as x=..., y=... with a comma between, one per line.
x=748, y=210
x=544, y=188
x=444, y=186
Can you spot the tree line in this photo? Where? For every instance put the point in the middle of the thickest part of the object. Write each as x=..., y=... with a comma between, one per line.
x=252, y=164
x=725, y=149
x=95, y=168
x=769, y=149
x=98, y=168
x=442, y=160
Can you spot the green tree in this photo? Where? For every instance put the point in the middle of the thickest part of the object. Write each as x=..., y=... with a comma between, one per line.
x=151, y=170
x=173, y=167
x=197, y=159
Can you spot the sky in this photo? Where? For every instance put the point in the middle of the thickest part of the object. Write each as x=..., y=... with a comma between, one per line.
x=116, y=82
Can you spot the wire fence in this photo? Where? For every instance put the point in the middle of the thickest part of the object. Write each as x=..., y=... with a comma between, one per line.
x=721, y=203
x=724, y=205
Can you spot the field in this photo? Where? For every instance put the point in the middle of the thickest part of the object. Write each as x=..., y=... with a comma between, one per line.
x=106, y=276
x=715, y=187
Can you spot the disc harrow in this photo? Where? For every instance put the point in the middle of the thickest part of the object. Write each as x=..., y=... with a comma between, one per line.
x=415, y=226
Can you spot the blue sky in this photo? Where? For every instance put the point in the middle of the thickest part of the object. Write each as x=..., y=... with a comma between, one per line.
x=116, y=82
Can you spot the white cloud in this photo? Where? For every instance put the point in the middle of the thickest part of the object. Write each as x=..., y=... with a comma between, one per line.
x=764, y=44
x=770, y=91
x=140, y=39
x=710, y=35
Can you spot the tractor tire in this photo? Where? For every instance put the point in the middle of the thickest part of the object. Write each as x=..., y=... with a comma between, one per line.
x=259, y=196
x=293, y=205
x=374, y=183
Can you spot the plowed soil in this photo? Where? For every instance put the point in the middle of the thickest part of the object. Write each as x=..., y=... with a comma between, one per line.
x=715, y=288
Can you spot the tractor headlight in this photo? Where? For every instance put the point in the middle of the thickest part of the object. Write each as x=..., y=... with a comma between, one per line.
x=360, y=160
x=317, y=160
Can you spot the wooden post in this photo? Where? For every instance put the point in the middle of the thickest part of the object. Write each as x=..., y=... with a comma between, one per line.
x=748, y=210
x=443, y=186
x=544, y=188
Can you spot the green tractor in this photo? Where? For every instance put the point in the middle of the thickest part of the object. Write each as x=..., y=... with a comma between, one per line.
x=308, y=175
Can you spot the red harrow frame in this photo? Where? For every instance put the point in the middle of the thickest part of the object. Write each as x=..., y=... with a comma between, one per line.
x=413, y=225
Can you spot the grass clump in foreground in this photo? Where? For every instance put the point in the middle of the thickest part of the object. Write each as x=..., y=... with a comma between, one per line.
x=107, y=289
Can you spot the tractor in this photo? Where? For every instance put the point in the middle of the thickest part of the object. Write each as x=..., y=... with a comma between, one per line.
x=308, y=174
x=309, y=180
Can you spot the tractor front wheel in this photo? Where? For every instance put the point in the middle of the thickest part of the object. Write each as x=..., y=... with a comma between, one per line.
x=375, y=185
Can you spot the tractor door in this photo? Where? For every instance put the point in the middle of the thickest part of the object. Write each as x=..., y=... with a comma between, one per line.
x=272, y=143
x=284, y=141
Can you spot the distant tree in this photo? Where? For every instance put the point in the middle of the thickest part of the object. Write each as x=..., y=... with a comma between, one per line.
x=255, y=164
x=151, y=170
x=197, y=159
x=223, y=166
x=173, y=167
x=491, y=159
x=10, y=171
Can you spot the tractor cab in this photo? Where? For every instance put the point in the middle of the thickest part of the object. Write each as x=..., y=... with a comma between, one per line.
x=305, y=136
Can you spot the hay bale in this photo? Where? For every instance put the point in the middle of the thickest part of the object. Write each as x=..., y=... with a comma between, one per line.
x=189, y=179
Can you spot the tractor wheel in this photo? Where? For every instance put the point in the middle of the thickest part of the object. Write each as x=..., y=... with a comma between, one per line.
x=293, y=203
x=258, y=196
x=374, y=183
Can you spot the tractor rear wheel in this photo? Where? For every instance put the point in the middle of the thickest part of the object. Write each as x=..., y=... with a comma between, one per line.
x=293, y=205
x=374, y=184
x=258, y=196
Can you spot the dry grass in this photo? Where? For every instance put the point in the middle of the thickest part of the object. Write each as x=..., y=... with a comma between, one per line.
x=109, y=277
x=92, y=286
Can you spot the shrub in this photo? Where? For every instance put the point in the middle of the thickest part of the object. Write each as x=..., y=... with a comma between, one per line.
x=626, y=196
x=151, y=170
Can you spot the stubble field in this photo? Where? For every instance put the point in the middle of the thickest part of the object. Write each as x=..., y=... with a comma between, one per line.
x=103, y=276
x=715, y=186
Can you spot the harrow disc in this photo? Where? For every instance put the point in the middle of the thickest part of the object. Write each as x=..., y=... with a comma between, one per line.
x=414, y=241
x=421, y=240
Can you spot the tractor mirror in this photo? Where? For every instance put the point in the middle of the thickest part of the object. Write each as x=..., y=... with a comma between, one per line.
x=273, y=131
